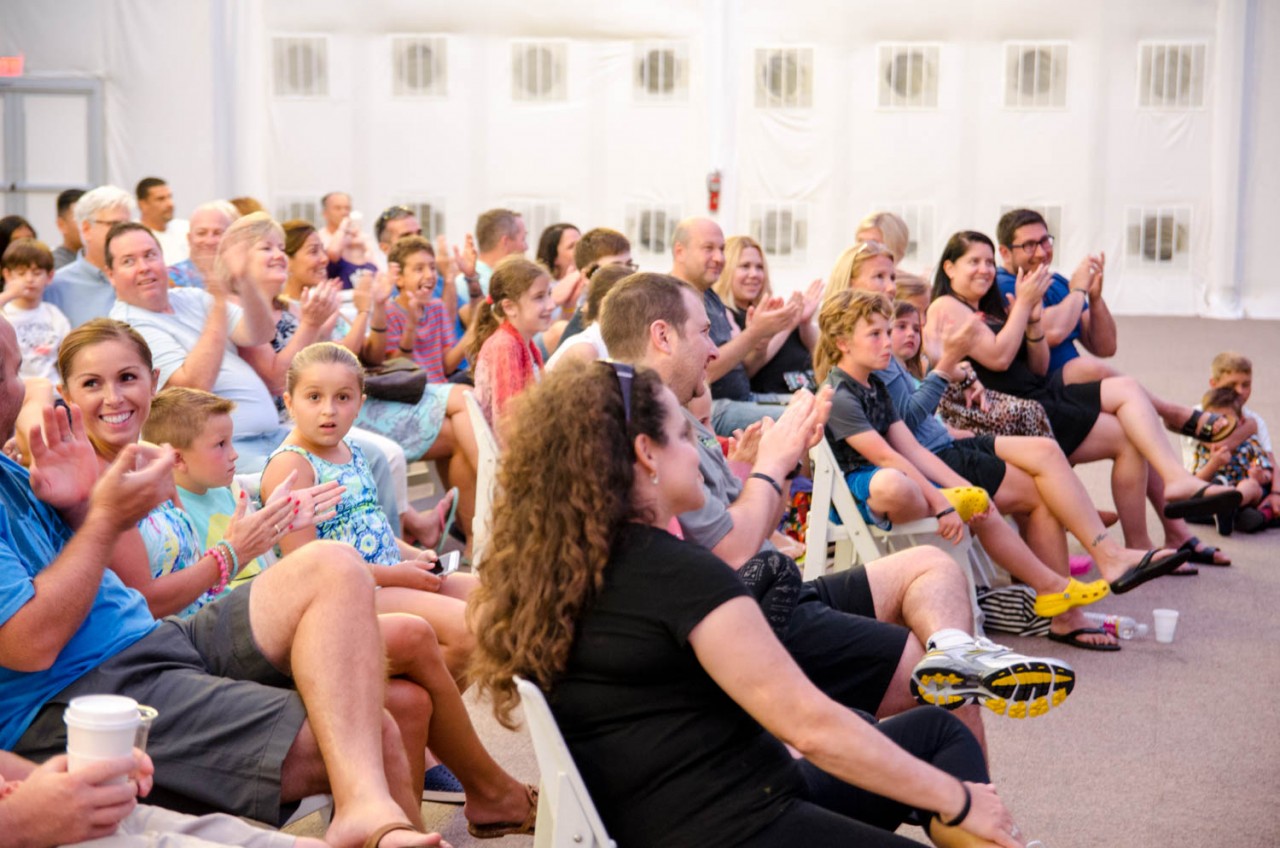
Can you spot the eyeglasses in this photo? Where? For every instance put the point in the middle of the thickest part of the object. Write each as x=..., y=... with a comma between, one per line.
x=626, y=376
x=1045, y=243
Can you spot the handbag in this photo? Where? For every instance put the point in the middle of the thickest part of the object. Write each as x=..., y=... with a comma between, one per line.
x=400, y=380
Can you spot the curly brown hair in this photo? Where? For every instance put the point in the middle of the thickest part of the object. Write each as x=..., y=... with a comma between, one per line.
x=554, y=524
x=839, y=315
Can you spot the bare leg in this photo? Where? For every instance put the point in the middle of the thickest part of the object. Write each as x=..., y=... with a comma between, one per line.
x=1088, y=370
x=1020, y=496
x=312, y=616
x=445, y=614
x=923, y=589
x=1067, y=499
x=1128, y=476
x=492, y=794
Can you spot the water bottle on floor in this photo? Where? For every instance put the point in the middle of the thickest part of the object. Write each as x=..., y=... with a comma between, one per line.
x=1118, y=625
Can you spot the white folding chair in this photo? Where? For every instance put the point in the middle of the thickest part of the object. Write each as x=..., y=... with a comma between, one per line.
x=856, y=541
x=566, y=816
x=486, y=477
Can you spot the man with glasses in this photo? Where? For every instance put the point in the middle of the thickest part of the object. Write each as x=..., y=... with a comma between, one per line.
x=1074, y=309
x=81, y=290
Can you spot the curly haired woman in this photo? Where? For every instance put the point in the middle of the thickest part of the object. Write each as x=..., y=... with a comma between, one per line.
x=658, y=663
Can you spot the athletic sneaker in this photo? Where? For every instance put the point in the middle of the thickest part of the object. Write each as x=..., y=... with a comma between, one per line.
x=957, y=668
x=442, y=787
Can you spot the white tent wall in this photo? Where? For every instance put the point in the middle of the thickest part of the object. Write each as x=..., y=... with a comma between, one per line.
x=190, y=96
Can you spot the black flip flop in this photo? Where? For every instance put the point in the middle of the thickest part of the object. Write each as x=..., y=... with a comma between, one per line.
x=1203, y=557
x=1073, y=639
x=1148, y=568
x=1204, y=432
x=1202, y=504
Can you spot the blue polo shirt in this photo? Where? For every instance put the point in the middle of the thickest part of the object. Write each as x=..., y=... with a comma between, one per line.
x=82, y=291
x=1058, y=291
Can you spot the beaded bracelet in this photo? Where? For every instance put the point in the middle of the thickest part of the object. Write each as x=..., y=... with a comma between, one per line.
x=231, y=552
x=224, y=569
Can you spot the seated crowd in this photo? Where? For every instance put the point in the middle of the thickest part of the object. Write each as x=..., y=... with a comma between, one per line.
x=204, y=506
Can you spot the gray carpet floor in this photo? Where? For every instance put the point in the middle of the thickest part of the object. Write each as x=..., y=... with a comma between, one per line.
x=1159, y=745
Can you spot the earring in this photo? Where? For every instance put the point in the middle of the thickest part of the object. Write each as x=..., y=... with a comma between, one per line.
x=654, y=478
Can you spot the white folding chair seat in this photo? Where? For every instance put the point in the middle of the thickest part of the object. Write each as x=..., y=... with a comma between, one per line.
x=566, y=816
x=486, y=477
x=856, y=541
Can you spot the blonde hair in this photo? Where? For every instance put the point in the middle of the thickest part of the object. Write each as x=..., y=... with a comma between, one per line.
x=1230, y=362
x=244, y=232
x=850, y=263
x=893, y=231
x=840, y=314
x=732, y=255
x=322, y=353
x=179, y=415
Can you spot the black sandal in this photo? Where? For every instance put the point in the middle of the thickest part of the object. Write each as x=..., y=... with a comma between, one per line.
x=1204, y=432
x=1223, y=503
x=1203, y=557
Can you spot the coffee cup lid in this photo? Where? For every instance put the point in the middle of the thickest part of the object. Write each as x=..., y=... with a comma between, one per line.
x=102, y=710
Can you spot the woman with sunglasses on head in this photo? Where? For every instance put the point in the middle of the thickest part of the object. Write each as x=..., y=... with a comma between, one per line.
x=668, y=684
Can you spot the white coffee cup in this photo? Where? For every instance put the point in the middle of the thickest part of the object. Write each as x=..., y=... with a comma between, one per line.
x=100, y=727
x=1166, y=621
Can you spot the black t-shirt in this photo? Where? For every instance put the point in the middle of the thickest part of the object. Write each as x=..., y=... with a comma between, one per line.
x=668, y=757
x=790, y=369
x=855, y=409
x=734, y=385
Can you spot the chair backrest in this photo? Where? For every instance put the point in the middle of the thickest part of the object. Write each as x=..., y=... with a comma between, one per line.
x=566, y=816
x=486, y=476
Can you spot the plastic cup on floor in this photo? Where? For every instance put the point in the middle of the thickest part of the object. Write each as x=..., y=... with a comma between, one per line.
x=1166, y=622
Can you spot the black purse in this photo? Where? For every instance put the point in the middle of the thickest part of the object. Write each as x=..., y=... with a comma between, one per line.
x=400, y=380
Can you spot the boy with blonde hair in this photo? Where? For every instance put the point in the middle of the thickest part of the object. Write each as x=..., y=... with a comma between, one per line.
x=197, y=424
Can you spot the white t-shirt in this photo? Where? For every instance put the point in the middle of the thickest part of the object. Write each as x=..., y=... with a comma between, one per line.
x=590, y=336
x=173, y=241
x=171, y=336
x=40, y=331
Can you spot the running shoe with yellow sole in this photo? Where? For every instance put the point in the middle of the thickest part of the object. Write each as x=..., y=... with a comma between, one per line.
x=958, y=668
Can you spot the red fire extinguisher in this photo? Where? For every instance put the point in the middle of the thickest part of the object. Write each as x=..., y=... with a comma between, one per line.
x=713, y=191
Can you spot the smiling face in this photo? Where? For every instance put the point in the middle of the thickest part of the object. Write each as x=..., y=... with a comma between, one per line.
x=973, y=273
x=204, y=236
x=137, y=271
x=702, y=259
x=210, y=460
x=748, y=277
x=113, y=387
x=418, y=272
x=310, y=265
x=675, y=463
x=876, y=274
x=692, y=349
x=324, y=403
x=12, y=388
x=531, y=313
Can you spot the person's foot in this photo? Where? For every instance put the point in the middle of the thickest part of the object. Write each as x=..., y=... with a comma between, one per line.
x=427, y=528
x=514, y=813
x=1200, y=552
x=958, y=668
x=1113, y=565
x=1074, y=620
x=390, y=830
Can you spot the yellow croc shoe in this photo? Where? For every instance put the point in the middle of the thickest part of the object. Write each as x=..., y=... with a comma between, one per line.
x=968, y=500
x=1077, y=594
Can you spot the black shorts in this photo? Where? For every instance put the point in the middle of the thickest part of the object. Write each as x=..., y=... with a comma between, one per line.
x=227, y=717
x=975, y=460
x=835, y=638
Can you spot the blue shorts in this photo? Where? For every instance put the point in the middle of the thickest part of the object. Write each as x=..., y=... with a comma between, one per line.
x=859, y=483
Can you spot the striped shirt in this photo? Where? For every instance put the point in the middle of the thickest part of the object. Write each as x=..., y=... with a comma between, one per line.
x=434, y=337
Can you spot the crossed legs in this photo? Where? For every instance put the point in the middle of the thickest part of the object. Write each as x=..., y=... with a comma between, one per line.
x=312, y=616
